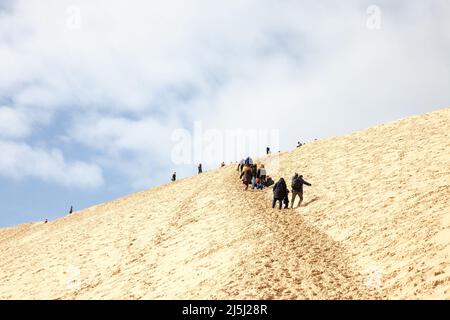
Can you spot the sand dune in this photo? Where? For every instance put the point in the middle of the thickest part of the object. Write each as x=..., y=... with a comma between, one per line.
x=375, y=224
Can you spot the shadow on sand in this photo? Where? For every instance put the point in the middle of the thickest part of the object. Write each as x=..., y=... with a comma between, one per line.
x=310, y=201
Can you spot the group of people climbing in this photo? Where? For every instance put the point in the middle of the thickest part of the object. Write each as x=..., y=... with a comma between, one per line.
x=250, y=174
x=258, y=179
x=281, y=192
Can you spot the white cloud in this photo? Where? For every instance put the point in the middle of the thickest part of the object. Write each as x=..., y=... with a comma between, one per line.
x=13, y=124
x=20, y=161
x=136, y=70
x=138, y=149
x=119, y=134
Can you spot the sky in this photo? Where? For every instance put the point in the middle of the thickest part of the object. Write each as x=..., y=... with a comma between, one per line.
x=97, y=97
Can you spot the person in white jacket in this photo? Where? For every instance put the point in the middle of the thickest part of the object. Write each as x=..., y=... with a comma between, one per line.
x=261, y=176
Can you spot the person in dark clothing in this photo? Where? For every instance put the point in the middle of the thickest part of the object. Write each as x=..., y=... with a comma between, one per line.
x=200, y=170
x=297, y=188
x=269, y=181
x=245, y=168
x=267, y=150
x=246, y=176
x=71, y=210
x=279, y=193
x=286, y=199
x=174, y=176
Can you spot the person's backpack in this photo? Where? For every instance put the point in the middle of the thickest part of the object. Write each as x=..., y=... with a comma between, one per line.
x=296, y=184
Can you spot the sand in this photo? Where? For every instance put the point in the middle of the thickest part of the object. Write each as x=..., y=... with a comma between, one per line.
x=375, y=224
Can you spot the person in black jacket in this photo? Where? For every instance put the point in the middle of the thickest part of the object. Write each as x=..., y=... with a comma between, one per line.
x=297, y=188
x=279, y=193
x=286, y=199
x=268, y=181
x=200, y=169
x=174, y=176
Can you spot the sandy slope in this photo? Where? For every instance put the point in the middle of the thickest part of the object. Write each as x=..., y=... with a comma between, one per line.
x=375, y=224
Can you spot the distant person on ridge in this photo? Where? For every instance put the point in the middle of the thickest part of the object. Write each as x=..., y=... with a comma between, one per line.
x=299, y=144
x=223, y=164
x=71, y=210
x=267, y=150
x=279, y=193
x=200, y=168
x=174, y=176
x=297, y=188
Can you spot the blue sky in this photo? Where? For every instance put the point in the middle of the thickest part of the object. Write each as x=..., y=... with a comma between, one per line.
x=92, y=91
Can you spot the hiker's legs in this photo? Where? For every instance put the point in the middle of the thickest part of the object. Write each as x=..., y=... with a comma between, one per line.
x=294, y=195
x=300, y=195
x=280, y=203
x=253, y=182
